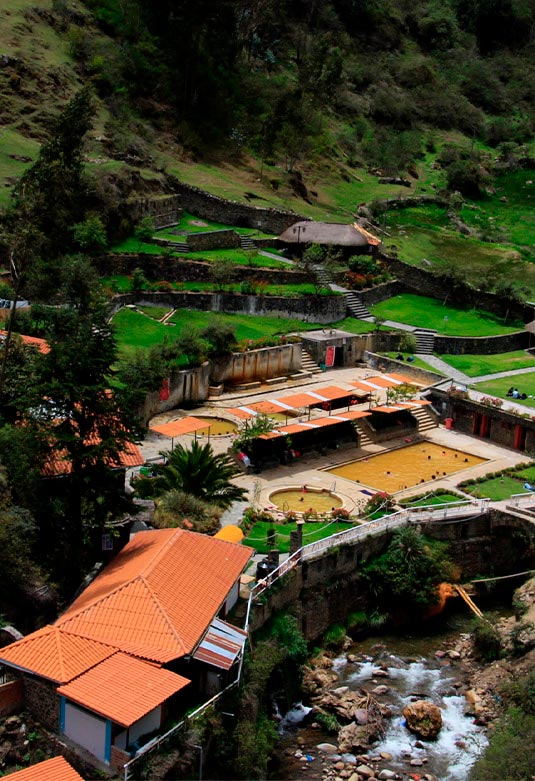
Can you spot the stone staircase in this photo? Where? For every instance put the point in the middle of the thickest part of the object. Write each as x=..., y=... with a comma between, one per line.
x=247, y=243
x=425, y=340
x=308, y=364
x=356, y=307
x=426, y=419
x=179, y=246
x=364, y=437
x=323, y=275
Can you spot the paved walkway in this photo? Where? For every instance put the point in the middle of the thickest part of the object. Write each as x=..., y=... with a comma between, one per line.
x=499, y=375
x=444, y=368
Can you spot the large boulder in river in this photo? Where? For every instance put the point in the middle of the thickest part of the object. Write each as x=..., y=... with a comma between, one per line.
x=423, y=719
x=316, y=680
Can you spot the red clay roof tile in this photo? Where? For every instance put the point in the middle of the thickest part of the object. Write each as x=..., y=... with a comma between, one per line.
x=55, y=769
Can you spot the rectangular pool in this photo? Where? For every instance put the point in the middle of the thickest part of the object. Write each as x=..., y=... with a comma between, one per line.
x=405, y=467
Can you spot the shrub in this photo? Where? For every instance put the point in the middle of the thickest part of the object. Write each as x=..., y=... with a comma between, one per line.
x=328, y=722
x=487, y=641
x=334, y=637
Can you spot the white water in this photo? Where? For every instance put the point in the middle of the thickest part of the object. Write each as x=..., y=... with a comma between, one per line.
x=422, y=679
x=294, y=717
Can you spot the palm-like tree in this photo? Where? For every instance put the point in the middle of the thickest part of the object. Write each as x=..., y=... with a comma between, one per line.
x=199, y=472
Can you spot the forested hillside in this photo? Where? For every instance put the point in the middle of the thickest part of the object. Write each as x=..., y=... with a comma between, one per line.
x=276, y=85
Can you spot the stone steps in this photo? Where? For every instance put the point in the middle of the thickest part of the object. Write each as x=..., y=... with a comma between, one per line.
x=308, y=364
x=356, y=307
x=425, y=340
x=426, y=419
x=247, y=243
x=364, y=437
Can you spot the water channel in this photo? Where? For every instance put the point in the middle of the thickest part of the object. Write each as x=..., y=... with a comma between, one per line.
x=414, y=671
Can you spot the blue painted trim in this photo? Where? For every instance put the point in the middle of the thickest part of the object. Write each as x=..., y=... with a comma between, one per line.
x=107, y=745
x=62, y=714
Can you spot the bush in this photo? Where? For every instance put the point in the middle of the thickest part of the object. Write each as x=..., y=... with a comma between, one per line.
x=334, y=637
x=487, y=641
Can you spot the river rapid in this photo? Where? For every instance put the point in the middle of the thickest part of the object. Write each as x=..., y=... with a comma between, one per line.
x=430, y=664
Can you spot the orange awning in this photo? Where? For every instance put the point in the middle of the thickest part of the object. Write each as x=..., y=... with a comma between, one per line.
x=181, y=426
x=299, y=400
x=351, y=414
x=388, y=410
x=245, y=413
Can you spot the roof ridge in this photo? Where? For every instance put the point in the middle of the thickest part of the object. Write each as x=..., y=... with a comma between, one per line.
x=164, y=614
x=124, y=584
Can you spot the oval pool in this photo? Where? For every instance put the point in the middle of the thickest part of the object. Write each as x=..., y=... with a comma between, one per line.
x=300, y=500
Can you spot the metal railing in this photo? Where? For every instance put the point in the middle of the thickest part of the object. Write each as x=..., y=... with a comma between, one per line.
x=427, y=514
x=521, y=500
x=182, y=725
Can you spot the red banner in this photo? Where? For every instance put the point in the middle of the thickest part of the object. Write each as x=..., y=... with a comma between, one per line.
x=329, y=356
x=164, y=390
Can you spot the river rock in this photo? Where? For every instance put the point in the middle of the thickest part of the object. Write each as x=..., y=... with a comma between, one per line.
x=381, y=689
x=386, y=775
x=316, y=680
x=365, y=771
x=353, y=737
x=379, y=673
x=386, y=755
x=327, y=748
x=343, y=702
x=423, y=719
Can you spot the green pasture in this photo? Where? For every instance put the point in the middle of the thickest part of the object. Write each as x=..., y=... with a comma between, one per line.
x=512, y=218
x=477, y=365
x=427, y=312
x=424, y=237
x=312, y=532
x=499, y=387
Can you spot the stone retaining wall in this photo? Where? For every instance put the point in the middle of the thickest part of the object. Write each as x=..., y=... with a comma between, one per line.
x=324, y=591
x=378, y=293
x=324, y=309
x=164, y=210
x=212, y=207
x=427, y=283
x=482, y=345
x=42, y=700
x=161, y=267
x=383, y=364
x=207, y=240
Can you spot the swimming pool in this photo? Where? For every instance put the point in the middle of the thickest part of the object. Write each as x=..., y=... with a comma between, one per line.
x=405, y=467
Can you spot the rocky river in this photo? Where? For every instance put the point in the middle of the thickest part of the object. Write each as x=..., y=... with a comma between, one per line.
x=389, y=707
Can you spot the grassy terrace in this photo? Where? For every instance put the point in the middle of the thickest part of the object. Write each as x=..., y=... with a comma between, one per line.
x=446, y=319
x=476, y=365
x=257, y=536
x=238, y=256
x=189, y=223
x=501, y=486
x=137, y=330
x=432, y=500
x=524, y=382
x=417, y=362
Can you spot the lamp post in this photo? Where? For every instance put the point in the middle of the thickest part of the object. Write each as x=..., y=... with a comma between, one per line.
x=299, y=229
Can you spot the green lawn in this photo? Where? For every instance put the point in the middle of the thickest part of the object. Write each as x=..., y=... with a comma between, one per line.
x=524, y=382
x=257, y=536
x=431, y=313
x=426, y=501
x=156, y=312
x=136, y=331
x=247, y=326
x=418, y=362
x=237, y=256
x=496, y=488
x=476, y=365
x=190, y=223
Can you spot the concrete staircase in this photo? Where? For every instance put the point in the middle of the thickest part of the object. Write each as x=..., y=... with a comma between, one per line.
x=425, y=340
x=308, y=364
x=426, y=419
x=247, y=243
x=323, y=276
x=364, y=437
x=356, y=307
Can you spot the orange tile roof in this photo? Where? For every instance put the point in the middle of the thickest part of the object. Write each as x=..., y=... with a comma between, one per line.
x=158, y=596
x=32, y=341
x=181, y=426
x=55, y=769
x=55, y=654
x=58, y=464
x=123, y=689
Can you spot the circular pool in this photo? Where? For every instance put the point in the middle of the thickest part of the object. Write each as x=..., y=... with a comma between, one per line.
x=218, y=426
x=303, y=499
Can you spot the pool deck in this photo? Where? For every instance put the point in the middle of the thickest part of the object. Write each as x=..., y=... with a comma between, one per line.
x=309, y=470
